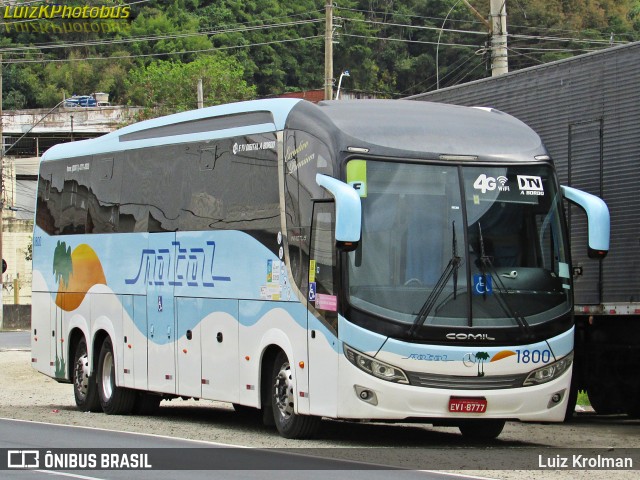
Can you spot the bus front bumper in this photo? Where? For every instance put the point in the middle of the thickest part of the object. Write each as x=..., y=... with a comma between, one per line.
x=363, y=396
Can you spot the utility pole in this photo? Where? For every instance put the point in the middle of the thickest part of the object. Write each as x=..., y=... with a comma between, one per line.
x=200, y=94
x=328, y=51
x=499, y=59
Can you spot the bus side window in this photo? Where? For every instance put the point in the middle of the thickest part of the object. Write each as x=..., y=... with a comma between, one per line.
x=75, y=192
x=49, y=197
x=134, y=198
x=323, y=259
x=104, y=195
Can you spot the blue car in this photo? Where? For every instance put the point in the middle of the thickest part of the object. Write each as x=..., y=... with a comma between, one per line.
x=80, y=101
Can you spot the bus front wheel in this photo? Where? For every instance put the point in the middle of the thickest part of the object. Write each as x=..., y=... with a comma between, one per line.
x=288, y=423
x=85, y=389
x=114, y=400
x=482, y=429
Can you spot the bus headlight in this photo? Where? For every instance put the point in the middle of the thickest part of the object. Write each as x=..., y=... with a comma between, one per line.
x=549, y=372
x=375, y=367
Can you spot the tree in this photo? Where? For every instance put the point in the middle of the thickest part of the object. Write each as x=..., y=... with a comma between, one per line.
x=392, y=48
x=175, y=30
x=168, y=86
x=278, y=43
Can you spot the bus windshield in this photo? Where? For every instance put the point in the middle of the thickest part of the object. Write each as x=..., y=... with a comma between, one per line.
x=464, y=246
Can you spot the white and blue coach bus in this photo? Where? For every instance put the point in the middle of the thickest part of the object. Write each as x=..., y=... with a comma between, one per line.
x=390, y=260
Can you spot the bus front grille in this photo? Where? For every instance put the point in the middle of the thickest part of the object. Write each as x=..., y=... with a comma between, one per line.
x=456, y=382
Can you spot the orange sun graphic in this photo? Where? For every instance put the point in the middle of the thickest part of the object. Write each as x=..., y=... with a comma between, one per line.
x=85, y=272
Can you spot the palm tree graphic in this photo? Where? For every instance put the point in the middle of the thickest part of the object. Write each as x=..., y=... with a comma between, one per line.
x=481, y=357
x=62, y=271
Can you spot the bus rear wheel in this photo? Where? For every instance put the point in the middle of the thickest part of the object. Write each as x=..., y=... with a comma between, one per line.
x=113, y=399
x=85, y=389
x=482, y=429
x=288, y=423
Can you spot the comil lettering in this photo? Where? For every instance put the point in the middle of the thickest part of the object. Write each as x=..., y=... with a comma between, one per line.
x=469, y=336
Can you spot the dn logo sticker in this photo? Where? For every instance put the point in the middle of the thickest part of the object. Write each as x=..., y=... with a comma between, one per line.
x=530, y=185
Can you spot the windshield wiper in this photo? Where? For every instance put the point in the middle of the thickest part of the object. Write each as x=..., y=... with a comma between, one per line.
x=485, y=262
x=450, y=269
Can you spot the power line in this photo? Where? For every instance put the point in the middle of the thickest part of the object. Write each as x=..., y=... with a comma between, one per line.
x=418, y=27
x=462, y=76
x=565, y=39
x=397, y=14
x=159, y=37
x=183, y=52
x=452, y=70
x=606, y=42
x=462, y=45
x=602, y=31
x=524, y=55
x=561, y=50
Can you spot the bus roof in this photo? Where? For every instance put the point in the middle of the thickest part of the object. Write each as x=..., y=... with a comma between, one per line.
x=241, y=118
x=384, y=127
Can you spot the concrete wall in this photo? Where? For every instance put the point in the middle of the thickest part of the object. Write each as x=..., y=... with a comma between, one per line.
x=17, y=317
x=94, y=120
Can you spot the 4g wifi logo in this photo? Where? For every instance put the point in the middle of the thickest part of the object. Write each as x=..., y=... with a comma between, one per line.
x=488, y=184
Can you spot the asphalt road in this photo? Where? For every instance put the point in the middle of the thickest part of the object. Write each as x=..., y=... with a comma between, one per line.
x=40, y=444
x=19, y=340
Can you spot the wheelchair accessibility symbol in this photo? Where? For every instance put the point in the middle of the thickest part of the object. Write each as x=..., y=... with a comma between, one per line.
x=482, y=284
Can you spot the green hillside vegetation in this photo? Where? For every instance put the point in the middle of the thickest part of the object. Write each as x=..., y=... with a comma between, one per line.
x=246, y=49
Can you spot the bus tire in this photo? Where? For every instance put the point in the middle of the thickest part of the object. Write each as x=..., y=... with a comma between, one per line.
x=114, y=400
x=482, y=429
x=288, y=423
x=604, y=400
x=85, y=389
x=572, y=400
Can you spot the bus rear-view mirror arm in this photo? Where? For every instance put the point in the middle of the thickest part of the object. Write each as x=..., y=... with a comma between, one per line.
x=597, y=219
x=348, y=211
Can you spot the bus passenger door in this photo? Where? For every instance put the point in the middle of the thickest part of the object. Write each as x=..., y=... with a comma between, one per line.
x=128, y=343
x=139, y=347
x=161, y=330
x=220, y=359
x=322, y=312
x=134, y=347
x=189, y=311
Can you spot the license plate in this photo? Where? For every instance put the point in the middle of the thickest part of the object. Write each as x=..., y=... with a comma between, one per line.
x=467, y=404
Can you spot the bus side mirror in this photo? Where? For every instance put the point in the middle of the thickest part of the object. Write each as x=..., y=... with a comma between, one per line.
x=597, y=219
x=348, y=211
